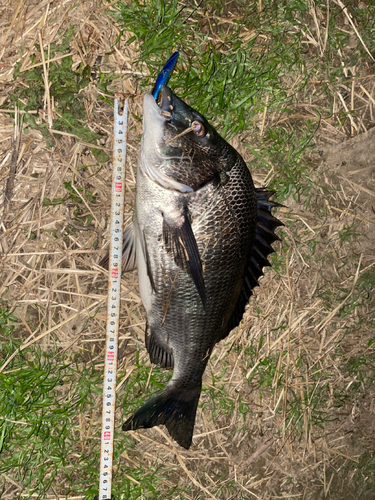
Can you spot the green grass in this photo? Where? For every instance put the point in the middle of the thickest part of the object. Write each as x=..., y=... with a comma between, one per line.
x=48, y=407
x=230, y=79
x=65, y=88
x=232, y=72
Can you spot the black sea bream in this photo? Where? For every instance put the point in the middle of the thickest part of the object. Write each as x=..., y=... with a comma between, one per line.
x=200, y=238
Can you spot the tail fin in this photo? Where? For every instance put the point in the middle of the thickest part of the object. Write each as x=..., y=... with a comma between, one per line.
x=173, y=407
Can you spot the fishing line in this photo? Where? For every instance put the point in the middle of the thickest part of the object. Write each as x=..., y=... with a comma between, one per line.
x=192, y=12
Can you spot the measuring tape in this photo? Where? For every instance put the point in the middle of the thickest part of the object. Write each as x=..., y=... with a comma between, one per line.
x=113, y=303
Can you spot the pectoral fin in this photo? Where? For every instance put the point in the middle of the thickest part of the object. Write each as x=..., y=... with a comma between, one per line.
x=129, y=257
x=148, y=263
x=180, y=243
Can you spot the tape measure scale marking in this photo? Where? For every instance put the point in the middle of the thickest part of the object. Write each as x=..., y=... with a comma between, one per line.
x=113, y=304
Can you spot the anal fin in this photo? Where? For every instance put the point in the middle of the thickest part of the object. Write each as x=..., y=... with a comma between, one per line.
x=160, y=354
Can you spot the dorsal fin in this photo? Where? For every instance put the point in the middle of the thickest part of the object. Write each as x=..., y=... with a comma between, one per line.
x=257, y=257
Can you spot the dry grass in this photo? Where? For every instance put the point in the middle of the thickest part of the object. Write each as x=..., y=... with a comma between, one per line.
x=299, y=317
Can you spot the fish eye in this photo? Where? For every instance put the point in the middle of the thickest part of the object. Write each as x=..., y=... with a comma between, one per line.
x=198, y=128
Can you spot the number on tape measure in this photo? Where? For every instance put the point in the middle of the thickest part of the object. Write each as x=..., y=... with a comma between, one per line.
x=113, y=304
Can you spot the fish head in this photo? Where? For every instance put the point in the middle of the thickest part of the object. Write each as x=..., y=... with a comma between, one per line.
x=180, y=149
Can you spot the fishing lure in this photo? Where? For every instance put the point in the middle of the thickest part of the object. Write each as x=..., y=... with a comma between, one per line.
x=164, y=75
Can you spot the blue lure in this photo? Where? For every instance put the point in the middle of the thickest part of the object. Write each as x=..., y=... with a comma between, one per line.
x=164, y=75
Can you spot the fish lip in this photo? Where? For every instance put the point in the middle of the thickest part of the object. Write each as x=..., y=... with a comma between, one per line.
x=150, y=107
x=153, y=119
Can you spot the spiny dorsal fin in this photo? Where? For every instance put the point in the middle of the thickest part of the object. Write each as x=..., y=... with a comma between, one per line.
x=257, y=257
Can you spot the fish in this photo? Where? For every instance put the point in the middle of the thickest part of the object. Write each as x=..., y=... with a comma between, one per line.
x=200, y=239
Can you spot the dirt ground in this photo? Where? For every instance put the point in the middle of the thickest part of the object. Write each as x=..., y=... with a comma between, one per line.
x=49, y=255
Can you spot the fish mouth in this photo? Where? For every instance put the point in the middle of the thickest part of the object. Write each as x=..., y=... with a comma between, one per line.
x=153, y=157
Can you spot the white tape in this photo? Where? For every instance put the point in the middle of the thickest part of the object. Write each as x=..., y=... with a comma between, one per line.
x=113, y=303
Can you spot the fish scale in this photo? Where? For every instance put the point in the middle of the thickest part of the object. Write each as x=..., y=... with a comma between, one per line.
x=200, y=239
